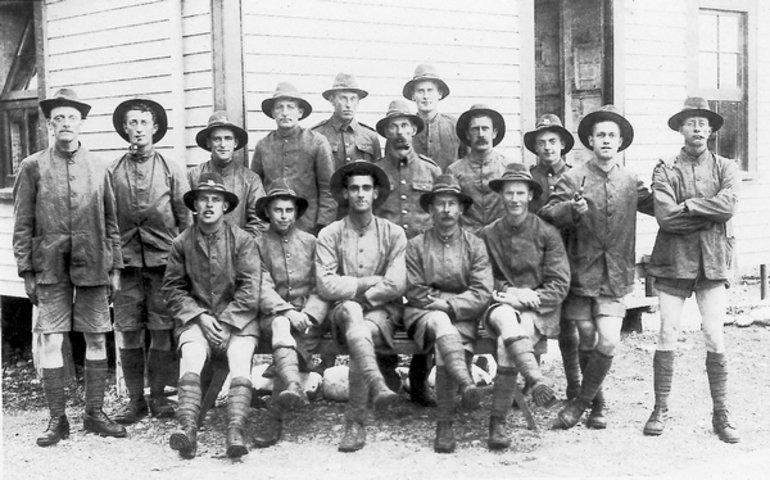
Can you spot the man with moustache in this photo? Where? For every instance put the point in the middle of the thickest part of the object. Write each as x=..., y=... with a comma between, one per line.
x=151, y=212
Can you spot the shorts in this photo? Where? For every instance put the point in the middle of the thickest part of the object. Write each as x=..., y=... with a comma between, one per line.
x=64, y=307
x=417, y=321
x=578, y=307
x=387, y=319
x=139, y=303
x=191, y=332
x=684, y=287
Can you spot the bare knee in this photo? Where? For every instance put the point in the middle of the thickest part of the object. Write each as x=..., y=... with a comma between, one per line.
x=440, y=324
x=193, y=357
x=239, y=355
x=669, y=333
x=349, y=313
x=96, y=346
x=504, y=320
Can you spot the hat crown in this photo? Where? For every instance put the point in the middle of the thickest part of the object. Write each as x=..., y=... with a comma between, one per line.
x=696, y=103
x=219, y=118
x=211, y=181
x=280, y=187
x=548, y=120
x=66, y=94
x=345, y=80
x=398, y=108
x=446, y=182
x=286, y=89
x=425, y=70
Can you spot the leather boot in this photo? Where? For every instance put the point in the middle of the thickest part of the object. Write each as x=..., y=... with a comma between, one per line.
x=58, y=429
x=185, y=440
x=287, y=365
x=657, y=421
x=445, y=437
x=716, y=369
x=520, y=350
x=663, y=372
x=720, y=420
x=593, y=377
x=58, y=425
x=498, y=434
x=568, y=345
x=354, y=437
x=595, y=419
x=160, y=364
x=132, y=360
x=238, y=405
x=95, y=420
x=451, y=349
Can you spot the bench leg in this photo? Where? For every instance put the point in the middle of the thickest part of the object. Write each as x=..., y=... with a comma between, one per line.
x=519, y=396
x=213, y=378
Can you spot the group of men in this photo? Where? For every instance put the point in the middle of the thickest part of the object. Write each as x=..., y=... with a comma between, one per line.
x=436, y=237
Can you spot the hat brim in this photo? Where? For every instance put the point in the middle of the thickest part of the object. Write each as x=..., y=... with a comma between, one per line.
x=496, y=185
x=408, y=90
x=497, y=121
x=588, y=122
x=329, y=94
x=268, y=103
x=383, y=181
x=264, y=202
x=161, y=120
x=530, y=138
x=241, y=135
x=189, y=198
x=49, y=104
x=382, y=125
x=427, y=198
x=677, y=120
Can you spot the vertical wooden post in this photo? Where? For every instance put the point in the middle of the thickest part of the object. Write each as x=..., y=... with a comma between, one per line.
x=763, y=281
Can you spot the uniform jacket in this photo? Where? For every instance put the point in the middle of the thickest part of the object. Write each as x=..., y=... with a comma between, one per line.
x=708, y=185
x=454, y=269
x=354, y=142
x=218, y=274
x=66, y=226
x=474, y=180
x=439, y=141
x=242, y=182
x=530, y=255
x=409, y=179
x=344, y=254
x=546, y=177
x=602, y=245
x=151, y=211
x=288, y=282
x=304, y=159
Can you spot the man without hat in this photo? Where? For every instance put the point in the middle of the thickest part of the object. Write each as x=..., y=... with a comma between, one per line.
x=223, y=138
x=411, y=175
x=696, y=195
x=212, y=289
x=481, y=129
x=292, y=314
x=437, y=140
x=360, y=269
x=299, y=155
x=598, y=201
x=151, y=212
x=531, y=279
x=449, y=284
x=67, y=247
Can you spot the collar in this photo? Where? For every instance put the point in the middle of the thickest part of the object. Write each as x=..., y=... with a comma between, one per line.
x=134, y=155
x=291, y=133
x=337, y=124
x=411, y=156
x=360, y=230
x=486, y=161
x=556, y=170
x=449, y=238
x=288, y=234
x=686, y=156
x=222, y=169
x=66, y=155
x=595, y=168
x=507, y=223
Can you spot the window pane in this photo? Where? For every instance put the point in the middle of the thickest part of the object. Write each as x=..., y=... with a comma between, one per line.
x=708, y=70
x=707, y=32
x=729, y=33
x=728, y=71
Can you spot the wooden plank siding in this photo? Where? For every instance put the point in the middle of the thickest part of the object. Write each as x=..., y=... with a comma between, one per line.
x=308, y=42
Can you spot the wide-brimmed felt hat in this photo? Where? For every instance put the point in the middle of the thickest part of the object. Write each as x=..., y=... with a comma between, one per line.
x=118, y=117
x=210, y=182
x=606, y=113
x=336, y=184
x=219, y=120
x=517, y=172
x=345, y=82
x=397, y=109
x=445, y=183
x=425, y=72
x=280, y=188
x=696, y=107
x=549, y=123
x=286, y=90
x=64, y=97
x=476, y=110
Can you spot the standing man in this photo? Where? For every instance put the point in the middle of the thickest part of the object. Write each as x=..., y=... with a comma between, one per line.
x=550, y=141
x=599, y=201
x=212, y=288
x=299, y=155
x=437, y=140
x=67, y=247
x=480, y=129
x=696, y=194
x=360, y=268
x=223, y=138
x=531, y=273
x=151, y=212
x=411, y=175
x=449, y=286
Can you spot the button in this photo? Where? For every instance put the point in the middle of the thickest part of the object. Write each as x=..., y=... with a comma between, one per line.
x=360, y=266
x=290, y=289
x=403, y=197
x=361, y=250
x=404, y=212
x=403, y=182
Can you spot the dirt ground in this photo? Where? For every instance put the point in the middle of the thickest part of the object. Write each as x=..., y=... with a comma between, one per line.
x=399, y=443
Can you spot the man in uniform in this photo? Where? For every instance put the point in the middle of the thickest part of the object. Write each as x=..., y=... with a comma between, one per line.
x=67, y=247
x=292, y=313
x=360, y=267
x=531, y=273
x=212, y=288
x=223, y=138
x=550, y=141
x=301, y=156
x=598, y=201
x=696, y=195
x=449, y=286
x=481, y=129
x=411, y=175
x=437, y=140
x=151, y=212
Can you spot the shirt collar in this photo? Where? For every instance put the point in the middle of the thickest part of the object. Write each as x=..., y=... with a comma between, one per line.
x=507, y=223
x=448, y=239
x=410, y=157
x=140, y=157
x=291, y=133
x=556, y=169
x=686, y=156
x=66, y=155
x=337, y=124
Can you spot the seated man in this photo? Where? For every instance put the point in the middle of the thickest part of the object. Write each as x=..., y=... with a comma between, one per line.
x=449, y=286
x=531, y=273
x=360, y=267
x=212, y=290
x=292, y=313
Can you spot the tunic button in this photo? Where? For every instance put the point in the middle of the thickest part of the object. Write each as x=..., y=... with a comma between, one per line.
x=403, y=197
x=360, y=266
x=404, y=212
x=290, y=289
x=361, y=250
x=403, y=182
x=405, y=226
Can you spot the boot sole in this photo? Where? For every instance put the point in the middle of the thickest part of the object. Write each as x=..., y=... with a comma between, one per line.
x=442, y=449
x=290, y=400
x=596, y=425
x=181, y=444
x=498, y=445
x=236, y=451
x=122, y=434
x=258, y=443
x=471, y=398
x=651, y=432
x=352, y=448
x=385, y=400
x=46, y=443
